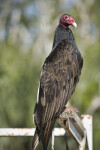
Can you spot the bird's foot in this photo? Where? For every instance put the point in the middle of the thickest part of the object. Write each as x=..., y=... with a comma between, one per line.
x=72, y=108
x=69, y=109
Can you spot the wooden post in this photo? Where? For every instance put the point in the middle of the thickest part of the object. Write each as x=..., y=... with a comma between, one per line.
x=71, y=122
x=52, y=142
x=87, y=123
x=80, y=129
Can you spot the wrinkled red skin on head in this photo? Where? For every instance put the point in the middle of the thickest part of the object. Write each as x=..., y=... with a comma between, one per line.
x=66, y=23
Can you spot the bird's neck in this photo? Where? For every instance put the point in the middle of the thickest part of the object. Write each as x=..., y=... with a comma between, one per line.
x=62, y=33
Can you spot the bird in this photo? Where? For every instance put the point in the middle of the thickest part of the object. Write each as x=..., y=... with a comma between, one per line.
x=58, y=78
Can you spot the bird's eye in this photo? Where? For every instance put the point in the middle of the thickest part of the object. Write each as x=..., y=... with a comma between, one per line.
x=66, y=18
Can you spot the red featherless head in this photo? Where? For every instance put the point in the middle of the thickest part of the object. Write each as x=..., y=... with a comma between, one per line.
x=66, y=20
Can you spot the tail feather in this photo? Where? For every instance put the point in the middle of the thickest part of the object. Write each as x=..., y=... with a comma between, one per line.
x=43, y=135
x=47, y=133
x=36, y=140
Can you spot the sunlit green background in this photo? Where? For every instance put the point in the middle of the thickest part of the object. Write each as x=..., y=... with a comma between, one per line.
x=26, y=35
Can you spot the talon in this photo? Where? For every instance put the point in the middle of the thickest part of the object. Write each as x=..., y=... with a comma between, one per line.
x=72, y=108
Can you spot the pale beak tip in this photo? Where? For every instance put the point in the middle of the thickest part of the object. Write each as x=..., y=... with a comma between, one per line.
x=74, y=24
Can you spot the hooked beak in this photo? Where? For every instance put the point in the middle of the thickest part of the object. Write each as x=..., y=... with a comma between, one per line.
x=74, y=24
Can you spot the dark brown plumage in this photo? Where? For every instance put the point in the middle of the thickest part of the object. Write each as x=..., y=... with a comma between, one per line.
x=59, y=76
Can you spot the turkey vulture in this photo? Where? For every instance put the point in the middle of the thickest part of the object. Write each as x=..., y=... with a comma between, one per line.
x=59, y=76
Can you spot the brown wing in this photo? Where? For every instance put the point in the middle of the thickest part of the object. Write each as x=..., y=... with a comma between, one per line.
x=59, y=75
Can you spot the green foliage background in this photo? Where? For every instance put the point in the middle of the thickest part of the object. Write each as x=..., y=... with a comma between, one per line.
x=26, y=36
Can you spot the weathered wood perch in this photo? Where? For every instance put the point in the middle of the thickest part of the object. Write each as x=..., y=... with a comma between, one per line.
x=80, y=129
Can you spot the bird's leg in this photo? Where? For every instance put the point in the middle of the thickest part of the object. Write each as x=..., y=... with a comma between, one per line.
x=72, y=108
